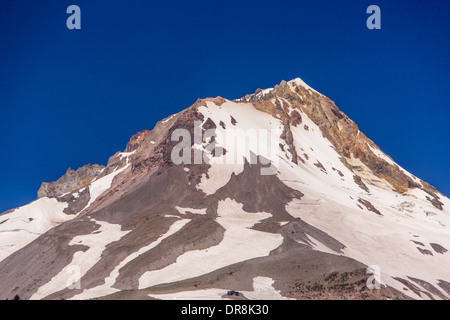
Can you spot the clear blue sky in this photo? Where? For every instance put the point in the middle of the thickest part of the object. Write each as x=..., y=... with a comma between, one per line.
x=73, y=97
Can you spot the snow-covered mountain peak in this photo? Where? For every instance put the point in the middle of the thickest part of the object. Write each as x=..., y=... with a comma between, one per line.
x=300, y=82
x=335, y=207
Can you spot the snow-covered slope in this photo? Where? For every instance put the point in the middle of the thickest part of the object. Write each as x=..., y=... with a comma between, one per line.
x=25, y=224
x=331, y=208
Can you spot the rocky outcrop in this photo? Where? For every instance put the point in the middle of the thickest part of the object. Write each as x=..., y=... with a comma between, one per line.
x=342, y=132
x=136, y=140
x=71, y=181
x=369, y=206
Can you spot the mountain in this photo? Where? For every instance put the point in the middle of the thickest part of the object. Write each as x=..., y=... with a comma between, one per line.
x=277, y=195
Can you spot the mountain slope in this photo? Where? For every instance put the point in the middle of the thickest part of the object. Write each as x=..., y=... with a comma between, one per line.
x=284, y=197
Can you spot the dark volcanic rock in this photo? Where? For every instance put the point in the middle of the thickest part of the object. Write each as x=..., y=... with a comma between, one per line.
x=76, y=204
x=438, y=248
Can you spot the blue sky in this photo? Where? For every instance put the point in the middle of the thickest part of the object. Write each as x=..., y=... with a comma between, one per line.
x=73, y=97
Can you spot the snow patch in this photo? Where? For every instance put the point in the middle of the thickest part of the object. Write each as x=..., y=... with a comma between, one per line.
x=262, y=290
x=238, y=244
x=191, y=210
x=25, y=224
x=164, y=121
x=107, y=288
x=99, y=186
x=298, y=81
x=83, y=260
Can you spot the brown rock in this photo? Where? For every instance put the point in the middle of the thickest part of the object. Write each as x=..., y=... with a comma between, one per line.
x=71, y=181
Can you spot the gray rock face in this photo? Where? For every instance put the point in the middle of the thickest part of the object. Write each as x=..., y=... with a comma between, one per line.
x=71, y=181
